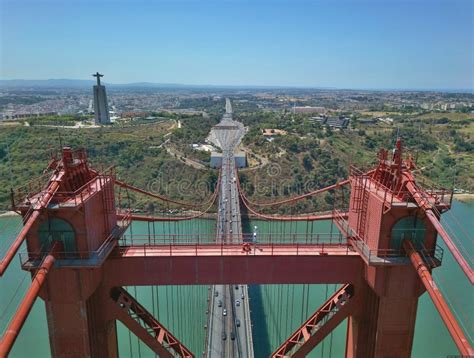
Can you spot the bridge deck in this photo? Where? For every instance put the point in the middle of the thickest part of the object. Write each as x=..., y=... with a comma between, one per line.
x=235, y=250
x=193, y=265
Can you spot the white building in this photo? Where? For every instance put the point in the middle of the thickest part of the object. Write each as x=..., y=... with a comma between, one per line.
x=240, y=159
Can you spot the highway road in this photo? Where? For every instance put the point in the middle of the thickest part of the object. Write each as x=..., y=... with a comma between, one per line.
x=229, y=325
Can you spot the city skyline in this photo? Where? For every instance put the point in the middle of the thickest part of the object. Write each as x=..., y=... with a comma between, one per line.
x=411, y=45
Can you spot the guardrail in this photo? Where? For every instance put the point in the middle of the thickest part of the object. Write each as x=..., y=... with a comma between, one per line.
x=206, y=238
x=433, y=196
x=31, y=188
x=222, y=249
x=432, y=257
x=210, y=305
x=94, y=258
x=36, y=187
x=249, y=321
x=69, y=258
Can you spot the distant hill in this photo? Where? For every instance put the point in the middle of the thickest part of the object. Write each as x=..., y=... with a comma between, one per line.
x=52, y=83
x=86, y=84
x=69, y=83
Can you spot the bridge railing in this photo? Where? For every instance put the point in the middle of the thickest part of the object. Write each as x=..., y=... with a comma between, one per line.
x=94, y=258
x=221, y=249
x=441, y=197
x=35, y=189
x=31, y=260
x=432, y=257
x=22, y=194
x=335, y=238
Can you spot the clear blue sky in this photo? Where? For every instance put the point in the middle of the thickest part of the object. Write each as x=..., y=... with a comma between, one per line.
x=345, y=44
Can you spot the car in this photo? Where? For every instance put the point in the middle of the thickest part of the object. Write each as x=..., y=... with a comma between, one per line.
x=237, y=303
x=224, y=312
x=242, y=297
x=237, y=322
x=219, y=304
x=224, y=336
x=216, y=293
x=232, y=336
x=236, y=287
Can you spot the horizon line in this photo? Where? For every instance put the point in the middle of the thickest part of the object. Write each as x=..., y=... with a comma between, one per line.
x=342, y=88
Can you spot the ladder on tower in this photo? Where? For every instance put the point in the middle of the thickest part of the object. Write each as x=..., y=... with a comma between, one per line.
x=363, y=214
x=108, y=198
x=142, y=323
x=360, y=202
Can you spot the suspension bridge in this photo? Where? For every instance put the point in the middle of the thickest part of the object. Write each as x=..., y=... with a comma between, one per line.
x=82, y=254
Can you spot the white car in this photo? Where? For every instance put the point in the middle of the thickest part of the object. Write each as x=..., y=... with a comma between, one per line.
x=224, y=312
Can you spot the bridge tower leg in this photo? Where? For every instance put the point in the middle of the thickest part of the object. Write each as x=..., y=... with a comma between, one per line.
x=78, y=323
x=383, y=323
x=380, y=219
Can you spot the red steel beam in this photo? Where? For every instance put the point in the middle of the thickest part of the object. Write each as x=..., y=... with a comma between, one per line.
x=451, y=246
x=155, y=335
x=446, y=315
x=467, y=269
x=318, y=326
x=198, y=266
x=10, y=254
x=43, y=202
x=24, y=309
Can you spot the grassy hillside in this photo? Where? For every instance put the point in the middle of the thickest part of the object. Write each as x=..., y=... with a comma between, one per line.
x=309, y=156
x=133, y=149
x=312, y=156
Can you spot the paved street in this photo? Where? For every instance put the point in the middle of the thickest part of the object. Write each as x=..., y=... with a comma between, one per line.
x=230, y=332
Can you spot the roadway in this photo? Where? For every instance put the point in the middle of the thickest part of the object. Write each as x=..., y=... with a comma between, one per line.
x=230, y=332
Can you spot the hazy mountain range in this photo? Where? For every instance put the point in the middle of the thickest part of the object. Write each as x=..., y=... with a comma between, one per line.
x=82, y=84
x=69, y=83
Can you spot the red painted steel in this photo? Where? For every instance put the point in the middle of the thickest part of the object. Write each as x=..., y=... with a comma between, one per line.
x=194, y=265
x=447, y=316
x=131, y=313
x=10, y=254
x=16, y=323
x=318, y=326
x=422, y=202
x=451, y=246
x=42, y=203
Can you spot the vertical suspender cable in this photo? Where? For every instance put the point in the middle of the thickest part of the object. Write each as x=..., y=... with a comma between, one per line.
x=302, y=305
x=325, y=299
x=292, y=305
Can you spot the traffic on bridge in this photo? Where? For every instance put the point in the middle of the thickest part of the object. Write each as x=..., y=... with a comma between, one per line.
x=230, y=332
